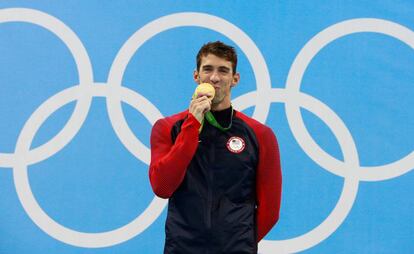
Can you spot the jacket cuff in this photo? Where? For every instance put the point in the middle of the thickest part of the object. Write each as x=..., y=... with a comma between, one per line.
x=192, y=121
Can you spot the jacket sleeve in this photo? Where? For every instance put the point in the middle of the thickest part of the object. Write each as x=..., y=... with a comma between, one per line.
x=268, y=184
x=169, y=161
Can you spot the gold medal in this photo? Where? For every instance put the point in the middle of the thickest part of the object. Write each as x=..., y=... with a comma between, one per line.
x=205, y=89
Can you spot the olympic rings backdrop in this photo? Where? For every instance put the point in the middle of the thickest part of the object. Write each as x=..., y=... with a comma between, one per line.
x=82, y=83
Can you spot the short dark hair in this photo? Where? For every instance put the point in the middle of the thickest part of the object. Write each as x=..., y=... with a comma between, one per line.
x=218, y=49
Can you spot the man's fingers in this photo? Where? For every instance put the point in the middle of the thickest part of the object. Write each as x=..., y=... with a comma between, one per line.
x=199, y=106
x=199, y=101
x=201, y=98
x=208, y=95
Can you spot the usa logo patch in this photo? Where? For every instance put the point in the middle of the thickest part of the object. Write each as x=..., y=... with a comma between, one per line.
x=236, y=144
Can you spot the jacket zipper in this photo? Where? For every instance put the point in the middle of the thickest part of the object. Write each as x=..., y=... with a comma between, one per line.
x=210, y=185
x=209, y=200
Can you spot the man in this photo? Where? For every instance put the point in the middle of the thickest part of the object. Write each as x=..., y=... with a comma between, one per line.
x=221, y=173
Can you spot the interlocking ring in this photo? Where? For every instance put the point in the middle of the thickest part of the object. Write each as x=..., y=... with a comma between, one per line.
x=115, y=93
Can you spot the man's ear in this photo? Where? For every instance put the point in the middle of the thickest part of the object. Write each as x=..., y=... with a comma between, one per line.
x=196, y=76
x=236, y=79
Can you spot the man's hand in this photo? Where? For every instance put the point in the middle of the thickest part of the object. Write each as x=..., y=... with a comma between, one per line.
x=199, y=106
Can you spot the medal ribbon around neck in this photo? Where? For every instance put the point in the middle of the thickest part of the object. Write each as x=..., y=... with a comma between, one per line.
x=212, y=120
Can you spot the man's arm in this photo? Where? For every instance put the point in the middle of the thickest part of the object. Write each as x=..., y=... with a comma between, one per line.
x=169, y=161
x=268, y=184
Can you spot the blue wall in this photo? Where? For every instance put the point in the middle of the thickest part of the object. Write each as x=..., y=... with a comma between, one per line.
x=81, y=86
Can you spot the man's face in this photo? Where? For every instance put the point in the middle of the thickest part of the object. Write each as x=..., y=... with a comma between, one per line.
x=218, y=72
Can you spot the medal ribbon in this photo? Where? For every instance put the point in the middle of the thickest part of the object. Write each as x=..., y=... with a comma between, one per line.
x=212, y=120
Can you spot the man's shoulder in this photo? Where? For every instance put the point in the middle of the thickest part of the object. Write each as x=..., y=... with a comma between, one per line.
x=172, y=119
x=258, y=127
x=251, y=121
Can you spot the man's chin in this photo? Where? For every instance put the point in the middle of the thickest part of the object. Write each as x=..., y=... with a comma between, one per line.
x=215, y=102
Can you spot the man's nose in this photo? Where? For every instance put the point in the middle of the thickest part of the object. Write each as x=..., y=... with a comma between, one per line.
x=214, y=78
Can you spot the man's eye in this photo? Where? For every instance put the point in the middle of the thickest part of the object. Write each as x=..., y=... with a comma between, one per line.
x=223, y=70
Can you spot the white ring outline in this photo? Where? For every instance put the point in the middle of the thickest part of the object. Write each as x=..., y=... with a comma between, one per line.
x=176, y=20
x=294, y=79
x=350, y=187
x=25, y=194
x=158, y=26
x=84, y=67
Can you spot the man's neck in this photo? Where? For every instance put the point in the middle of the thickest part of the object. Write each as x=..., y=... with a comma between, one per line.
x=223, y=117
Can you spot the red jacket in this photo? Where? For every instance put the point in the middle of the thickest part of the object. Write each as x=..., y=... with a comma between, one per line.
x=224, y=186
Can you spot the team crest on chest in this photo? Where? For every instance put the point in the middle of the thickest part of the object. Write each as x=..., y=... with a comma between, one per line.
x=236, y=144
